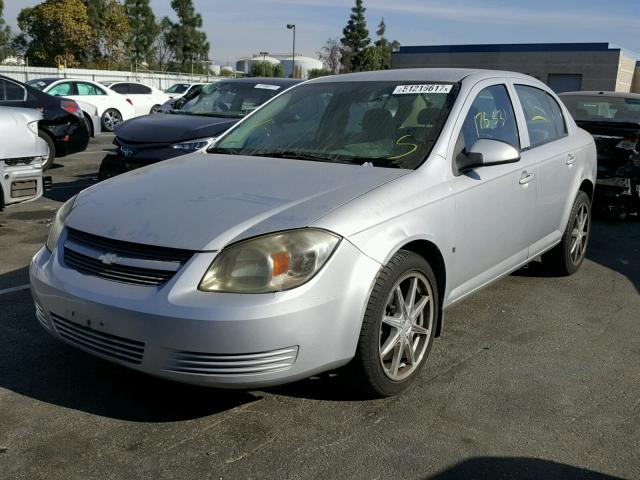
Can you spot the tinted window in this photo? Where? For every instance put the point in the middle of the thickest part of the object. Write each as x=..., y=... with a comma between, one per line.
x=88, y=89
x=122, y=88
x=62, y=89
x=490, y=116
x=599, y=108
x=11, y=92
x=177, y=88
x=230, y=99
x=545, y=122
x=136, y=88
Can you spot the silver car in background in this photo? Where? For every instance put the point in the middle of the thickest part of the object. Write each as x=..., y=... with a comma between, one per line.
x=22, y=153
x=330, y=228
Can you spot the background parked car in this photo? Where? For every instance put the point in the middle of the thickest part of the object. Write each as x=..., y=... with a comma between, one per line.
x=62, y=126
x=149, y=139
x=22, y=152
x=91, y=118
x=145, y=99
x=178, y=90
x=614, y=121
x=113, y=108
x=177, y=103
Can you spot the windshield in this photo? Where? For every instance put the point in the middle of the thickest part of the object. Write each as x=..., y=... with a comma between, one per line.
x=229, y=99
x=597, y=108
x=177, y=88
x=41, y=84
x=387, y=124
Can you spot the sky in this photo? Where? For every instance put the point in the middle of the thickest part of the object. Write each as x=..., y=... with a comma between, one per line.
x=237, y=28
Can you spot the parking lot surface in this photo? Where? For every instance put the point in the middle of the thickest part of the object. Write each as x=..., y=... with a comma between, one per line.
x=534, y=378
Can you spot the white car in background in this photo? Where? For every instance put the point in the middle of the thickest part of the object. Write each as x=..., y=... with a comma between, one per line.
x=22, y=153
x=178, y=90
x=145, y=99
x=113, y=108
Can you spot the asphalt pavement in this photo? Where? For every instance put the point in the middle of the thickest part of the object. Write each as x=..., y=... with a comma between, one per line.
x=534, y=378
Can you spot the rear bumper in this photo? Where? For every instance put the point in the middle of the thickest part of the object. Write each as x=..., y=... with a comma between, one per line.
x=69, y=139
x=20, y=183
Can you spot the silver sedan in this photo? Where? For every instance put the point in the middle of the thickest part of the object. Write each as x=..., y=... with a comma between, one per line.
x=330, y=228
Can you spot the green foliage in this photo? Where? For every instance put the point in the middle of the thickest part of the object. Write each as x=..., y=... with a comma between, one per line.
x=261, y=69
x=144, y=31
x=189, y=44
x=5, y=36
x=226, y=73
x=112, y=40
x=56, y=31
x=318, y=72
x=330, y=55
x=277, y=70
x=355, y=40
x=162, y=48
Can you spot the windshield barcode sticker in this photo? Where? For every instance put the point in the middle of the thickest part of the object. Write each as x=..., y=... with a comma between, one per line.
x=267, y=87
x=424, y=88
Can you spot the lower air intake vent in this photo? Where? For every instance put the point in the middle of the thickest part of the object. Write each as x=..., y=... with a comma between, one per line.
x=244, y=364
x=100, y=343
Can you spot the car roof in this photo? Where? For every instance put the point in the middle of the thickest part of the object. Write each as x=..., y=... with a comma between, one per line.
x=422, y=74
x=594, y=93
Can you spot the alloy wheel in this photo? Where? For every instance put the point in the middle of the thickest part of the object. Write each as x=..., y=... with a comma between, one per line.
x=407, y=325
x=579, y=234
x=111, y=119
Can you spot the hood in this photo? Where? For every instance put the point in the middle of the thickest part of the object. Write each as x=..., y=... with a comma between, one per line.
x=203, y=201
x=169, y=128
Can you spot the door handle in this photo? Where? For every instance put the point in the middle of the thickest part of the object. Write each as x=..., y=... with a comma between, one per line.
x=571, y=159
x=526, y=178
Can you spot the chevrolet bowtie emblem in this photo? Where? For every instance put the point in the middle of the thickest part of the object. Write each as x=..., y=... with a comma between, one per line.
x=108, y=258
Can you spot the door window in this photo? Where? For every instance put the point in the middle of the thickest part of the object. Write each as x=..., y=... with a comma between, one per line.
x=61, y=89
x=11, y=92
x=88, y=89
x=138, y=89
x=122, y=88
x=545, y=121
x=490, y=116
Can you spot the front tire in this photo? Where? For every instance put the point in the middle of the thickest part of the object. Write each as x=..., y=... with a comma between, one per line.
x=398, y=328
x=154, y=109
x=110, y=118
x=52, y=150
x=566, y=258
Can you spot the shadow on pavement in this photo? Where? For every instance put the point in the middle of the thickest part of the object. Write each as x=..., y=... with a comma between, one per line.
x=516, y=468
x=63, y=191
x=613, y=244
x=38, y=366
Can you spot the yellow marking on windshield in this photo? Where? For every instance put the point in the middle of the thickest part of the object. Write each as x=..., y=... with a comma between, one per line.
x=413, y=146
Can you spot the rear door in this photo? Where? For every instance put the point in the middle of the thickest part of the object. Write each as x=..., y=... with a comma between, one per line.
x=495, y=204
x=90, y=93
x=142, y=97
x=548, y=146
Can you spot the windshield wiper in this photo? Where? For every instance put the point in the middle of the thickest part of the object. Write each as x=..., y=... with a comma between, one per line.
x=294, y=155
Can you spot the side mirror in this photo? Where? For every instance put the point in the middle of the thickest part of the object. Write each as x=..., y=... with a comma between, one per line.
x=486, y=152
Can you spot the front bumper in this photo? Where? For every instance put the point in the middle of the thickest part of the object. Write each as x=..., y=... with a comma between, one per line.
x=218, y=339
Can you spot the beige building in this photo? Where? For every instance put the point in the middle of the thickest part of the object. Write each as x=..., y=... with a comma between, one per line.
x=562, y=66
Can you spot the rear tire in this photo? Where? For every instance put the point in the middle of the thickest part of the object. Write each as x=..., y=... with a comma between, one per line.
x=87, y=122
x=110, y=118
x=154, y=109
x=52, y=150
x=398, y=328
x=567, y=257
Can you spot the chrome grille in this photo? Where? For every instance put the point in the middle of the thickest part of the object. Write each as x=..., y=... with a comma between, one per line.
x=227, y=364
x=122, y=261
x=100, y=343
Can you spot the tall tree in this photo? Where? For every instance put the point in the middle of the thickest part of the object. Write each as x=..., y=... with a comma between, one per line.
x=112, y=40
x=56, y=31
x=330, y=55
x=95, y=15
x=384, y=47
x=355, y=40
x=5, y=35
x=162, y=47
x=188, y=42
x=143, y=31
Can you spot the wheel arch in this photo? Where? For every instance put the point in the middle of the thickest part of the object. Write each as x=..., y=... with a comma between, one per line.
x=432, y=254
x=587, y=187
x=88, y=122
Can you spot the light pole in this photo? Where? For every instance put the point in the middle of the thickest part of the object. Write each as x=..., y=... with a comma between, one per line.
x=264, y=67
x=292, y=26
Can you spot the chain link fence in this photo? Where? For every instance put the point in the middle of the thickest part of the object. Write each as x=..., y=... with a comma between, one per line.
x=160, y=80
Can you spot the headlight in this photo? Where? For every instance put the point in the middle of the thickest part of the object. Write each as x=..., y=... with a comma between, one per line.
x=194, y=145
x=33, y=126
x=58, y=223
x=272, y=263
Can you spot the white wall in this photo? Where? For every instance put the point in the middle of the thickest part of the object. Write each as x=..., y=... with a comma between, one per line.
x=159, y=80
